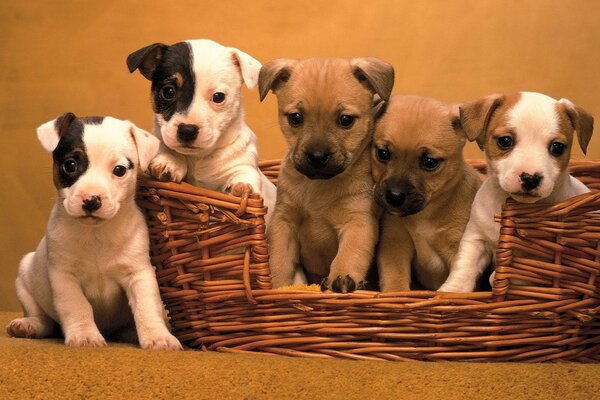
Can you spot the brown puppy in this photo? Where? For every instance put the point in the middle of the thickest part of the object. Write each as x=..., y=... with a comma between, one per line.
x=325, y=218
x=425, y=187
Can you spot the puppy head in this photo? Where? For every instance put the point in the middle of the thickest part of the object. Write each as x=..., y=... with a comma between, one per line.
x=416, y=154
x=326, y=108
x=196, y=90
x=527, y=139
x=95, y=163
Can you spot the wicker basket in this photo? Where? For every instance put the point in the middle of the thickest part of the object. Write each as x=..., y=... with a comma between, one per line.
x=211, y=262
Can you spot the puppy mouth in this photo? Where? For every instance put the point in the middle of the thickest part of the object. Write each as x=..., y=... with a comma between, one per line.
x=525, y=197
x=319, y=174
x=404, y=210
x=90, y=220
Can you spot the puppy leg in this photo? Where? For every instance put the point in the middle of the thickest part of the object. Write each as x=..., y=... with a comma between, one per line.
x=357, y=240
x=394, y=256
x=35, y=324
x=284, y=253
x=473, y=256
x=74, y=311
x=244, y=178
x=168, y=165
x=144, y=300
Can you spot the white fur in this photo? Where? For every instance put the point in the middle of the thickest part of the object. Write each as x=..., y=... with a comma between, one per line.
x=93, y=276
x=535, y=122
x=225, y=152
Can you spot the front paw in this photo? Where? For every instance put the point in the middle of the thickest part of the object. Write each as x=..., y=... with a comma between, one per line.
x=160, y=341
x=238, y=189
x=85, y=339
x=342, y=284
x=165, y=167
x=456, y=287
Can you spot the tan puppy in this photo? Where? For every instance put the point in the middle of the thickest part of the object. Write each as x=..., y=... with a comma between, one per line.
x=325, y=218
x=426, y=188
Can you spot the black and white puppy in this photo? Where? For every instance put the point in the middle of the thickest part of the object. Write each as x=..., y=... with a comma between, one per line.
x=91, y=273
x=197, y=101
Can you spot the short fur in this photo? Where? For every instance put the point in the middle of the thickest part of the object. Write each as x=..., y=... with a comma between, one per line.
x=204, y=141
x=534, y=123
x=325, y=219
x=91, y=273
x=426, y=209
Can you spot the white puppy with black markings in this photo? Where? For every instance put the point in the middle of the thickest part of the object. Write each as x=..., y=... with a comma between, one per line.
x=527, y=139
x=91, y=273
x=197, y=101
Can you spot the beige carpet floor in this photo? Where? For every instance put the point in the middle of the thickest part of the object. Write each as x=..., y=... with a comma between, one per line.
x=46, y=369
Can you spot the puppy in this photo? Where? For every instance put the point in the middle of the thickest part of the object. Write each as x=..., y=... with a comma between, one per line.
x=197, y=101
x=527, y=139
x=426, y=188
x=93, y=263
x=325, y=219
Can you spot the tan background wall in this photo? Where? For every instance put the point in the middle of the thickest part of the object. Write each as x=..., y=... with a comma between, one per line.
x=70, y=56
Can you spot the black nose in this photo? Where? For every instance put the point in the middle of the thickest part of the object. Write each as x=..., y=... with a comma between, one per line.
x=317, y=159
x=530, y=182
x=394, y=197
x=187, y=133
x=92, y=204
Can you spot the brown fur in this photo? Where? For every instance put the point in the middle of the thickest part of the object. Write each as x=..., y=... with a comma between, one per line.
x=329, y=226
x=427, y=237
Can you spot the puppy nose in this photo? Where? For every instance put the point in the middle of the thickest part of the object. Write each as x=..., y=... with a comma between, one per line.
x=317, y=159
x=92, y=204
x=187, y=132
x=394, y=197
x=530, y=182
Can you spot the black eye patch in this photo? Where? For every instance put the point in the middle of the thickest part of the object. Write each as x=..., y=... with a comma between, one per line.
x=70, y=156
x=170, y=95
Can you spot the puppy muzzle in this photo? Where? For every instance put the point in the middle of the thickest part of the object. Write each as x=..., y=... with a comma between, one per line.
x=317, y=164
x=402, y=200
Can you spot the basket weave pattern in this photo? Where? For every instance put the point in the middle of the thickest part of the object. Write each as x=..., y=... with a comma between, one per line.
x=211, y=262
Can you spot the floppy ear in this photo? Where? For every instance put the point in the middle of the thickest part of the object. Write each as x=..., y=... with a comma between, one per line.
x=146, y=59
x=454, y=116
x=49, y=133
x=273, y=74
x=379, y=107
x=374, y=73
x=146, y=145
x=582, y=122
x=475, y=116
x=249, y=67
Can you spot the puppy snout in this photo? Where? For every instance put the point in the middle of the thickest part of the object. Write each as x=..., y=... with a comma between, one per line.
x=395, y=197
x=187, y=133
x=318, y=159
x=530, y=182
x=91, y=204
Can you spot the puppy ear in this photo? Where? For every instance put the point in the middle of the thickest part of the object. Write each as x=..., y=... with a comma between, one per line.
x=582, y=121
x=379, y=107
x=249, y=67
x=146, y=59
x=475, y=116
x=49, y=134
x=374, y=73
x=146, y=145
x=454, y=116
x=273, y=74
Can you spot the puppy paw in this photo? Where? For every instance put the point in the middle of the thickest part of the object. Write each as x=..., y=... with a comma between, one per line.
x=163, y=341
x=85, y=339
x=342, y=284
x=166, y=168
x=451, y=287
x=23, y=328
x=238, y=189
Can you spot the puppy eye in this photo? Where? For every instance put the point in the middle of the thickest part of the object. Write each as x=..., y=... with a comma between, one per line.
x=383, y=155
x=218, y=97
x=295, y=119
x=168, y=92
x=119, y=170
x=557, y=148
x=505, y=142
x=69, y=166
x=346, y=121
x=429, y=163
